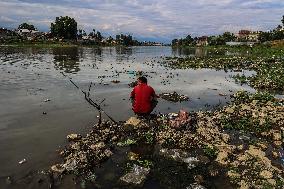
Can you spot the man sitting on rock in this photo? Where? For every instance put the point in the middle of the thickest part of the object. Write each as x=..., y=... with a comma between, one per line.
x=144, y=98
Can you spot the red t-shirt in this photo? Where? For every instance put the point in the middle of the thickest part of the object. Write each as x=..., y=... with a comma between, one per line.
x=143, y=95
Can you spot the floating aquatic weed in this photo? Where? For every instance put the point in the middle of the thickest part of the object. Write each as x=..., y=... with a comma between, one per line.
x=269, y=70
x=210, y=151
x=174, y=97
x=127, y=142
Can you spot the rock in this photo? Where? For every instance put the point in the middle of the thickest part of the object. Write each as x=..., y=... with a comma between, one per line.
x=203, y=159
x=198, y=178
x=133, y=156
x=240, y=147
x=195, y=186
x=266, y=174
x=278, y=143
x=9, y=180
x=265, y=134
x=73, y=137
x=222, y=158
x=244, y=185
x=108, y=153
x=272, y=182
x=191, y=161
x=213, y=170
x=262, y=145
x=244, y=137
x=180, y=156
x=136, y=177
x=133, y=121
x=70, y=164
x=97, y=146
x=225, y=137
x=277, y=135
x=75, y=146
x=275, y=154
x=233, y=175
x=229, y=110
x=58, y=168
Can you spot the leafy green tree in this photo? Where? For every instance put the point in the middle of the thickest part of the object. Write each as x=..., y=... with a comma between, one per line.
x=174, y=42
x=278, y=35
x=26, y=26
x=265, y=36
x=109, y=39
x=228, y=36
x=282, y=20
x=117, y=39
x=99, y=36
x=64, y=27
x=188, y=40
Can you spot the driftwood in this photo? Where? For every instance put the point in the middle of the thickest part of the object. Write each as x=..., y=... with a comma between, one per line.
x=90, y=101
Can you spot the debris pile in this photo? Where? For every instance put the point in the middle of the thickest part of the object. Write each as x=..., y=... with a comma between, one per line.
x=203, y=145
x=85, y=153
x=136, y=176
x=174, y=97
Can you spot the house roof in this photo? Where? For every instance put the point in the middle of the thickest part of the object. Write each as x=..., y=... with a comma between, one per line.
x=24, y=31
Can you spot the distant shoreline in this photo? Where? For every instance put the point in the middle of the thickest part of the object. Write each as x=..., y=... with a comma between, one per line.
x=55, y=45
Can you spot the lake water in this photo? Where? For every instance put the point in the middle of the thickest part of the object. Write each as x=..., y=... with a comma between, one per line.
x=30, y=76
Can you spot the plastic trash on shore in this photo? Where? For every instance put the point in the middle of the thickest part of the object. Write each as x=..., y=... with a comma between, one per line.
x=195, y=186
x=22, y=161
x=183, y=119
x=136, y=177
x=180, y=156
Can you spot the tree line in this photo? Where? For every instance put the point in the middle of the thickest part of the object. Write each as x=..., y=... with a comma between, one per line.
x=66, y=28
x=275, y=34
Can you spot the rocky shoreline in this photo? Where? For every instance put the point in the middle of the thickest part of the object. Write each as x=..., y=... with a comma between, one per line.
x=242, y=143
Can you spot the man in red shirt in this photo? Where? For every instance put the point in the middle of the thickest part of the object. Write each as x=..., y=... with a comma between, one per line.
x=143, y=97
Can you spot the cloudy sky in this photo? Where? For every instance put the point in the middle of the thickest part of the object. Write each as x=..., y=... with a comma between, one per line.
x=160, y=20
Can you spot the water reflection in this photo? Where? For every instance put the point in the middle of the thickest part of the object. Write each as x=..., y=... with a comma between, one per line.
x=200, y=52
x=187, y=51
x=67, y=59
x=123, y=53
x=178, y=51
x=96, y=54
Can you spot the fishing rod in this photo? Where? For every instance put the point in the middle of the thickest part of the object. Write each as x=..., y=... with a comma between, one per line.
x=90, y=101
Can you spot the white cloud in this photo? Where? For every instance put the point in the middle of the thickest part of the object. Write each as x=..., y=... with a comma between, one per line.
x=6, y=19
x=148, y=18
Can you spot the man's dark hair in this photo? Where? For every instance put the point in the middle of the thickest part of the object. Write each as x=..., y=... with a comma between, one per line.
x=142, y=79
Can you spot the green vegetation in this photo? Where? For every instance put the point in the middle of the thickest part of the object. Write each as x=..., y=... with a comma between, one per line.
x=267, y=62
x=210, y=151
x=64, y=27
x=242, y=36
x=256, y=113
x=26, y=26
x=127, y=142
x=188, y=41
